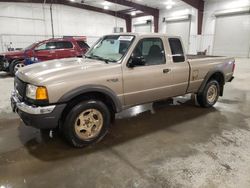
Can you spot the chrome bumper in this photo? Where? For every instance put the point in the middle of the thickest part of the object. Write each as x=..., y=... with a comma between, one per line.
x=17, y=105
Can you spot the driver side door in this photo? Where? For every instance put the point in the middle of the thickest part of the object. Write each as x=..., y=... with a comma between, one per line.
x=151, y=81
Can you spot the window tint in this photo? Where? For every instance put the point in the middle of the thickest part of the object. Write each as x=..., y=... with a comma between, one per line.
x=46, y=46
x=177, y=50
x=63, y=45
x=152, y=50
x=82, y=44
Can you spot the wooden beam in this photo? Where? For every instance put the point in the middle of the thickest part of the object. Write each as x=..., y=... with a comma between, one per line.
x=199, y=5
x=137, y=6
x=145, y=9
x=77, y=5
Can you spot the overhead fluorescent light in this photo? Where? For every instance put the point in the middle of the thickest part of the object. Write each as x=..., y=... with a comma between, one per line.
x=242, y=10
x=178, y=18
x=106, y=7
x=169, y=7
x=106, y=3
x=169, y=2
x=133, y=13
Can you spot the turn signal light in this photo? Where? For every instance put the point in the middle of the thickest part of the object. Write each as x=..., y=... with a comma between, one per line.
x=41, y=93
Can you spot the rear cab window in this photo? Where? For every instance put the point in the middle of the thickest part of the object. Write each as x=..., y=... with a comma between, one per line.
x=176, y=50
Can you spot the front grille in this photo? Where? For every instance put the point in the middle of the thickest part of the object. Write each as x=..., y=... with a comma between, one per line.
x=20, y=88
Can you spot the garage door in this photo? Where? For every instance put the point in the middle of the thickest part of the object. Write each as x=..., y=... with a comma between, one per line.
x=232, y=36
x=143, y=28
x=180, y=28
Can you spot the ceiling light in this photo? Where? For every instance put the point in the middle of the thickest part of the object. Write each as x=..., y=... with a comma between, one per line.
x=133, y=13
x=170, y=2
x=169, y=7
x=72, y=0
x=106, y=3
x=106, y=7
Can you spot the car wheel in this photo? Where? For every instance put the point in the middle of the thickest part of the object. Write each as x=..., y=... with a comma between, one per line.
x=86, y=123
x=14, y=66
x=209, y=96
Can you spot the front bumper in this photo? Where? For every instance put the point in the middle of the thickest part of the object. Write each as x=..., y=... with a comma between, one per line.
x=45, y=117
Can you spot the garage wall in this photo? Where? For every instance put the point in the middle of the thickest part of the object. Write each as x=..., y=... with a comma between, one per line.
x=24, y=23
x=209, y=20
x=190, y=37
x=139, y=24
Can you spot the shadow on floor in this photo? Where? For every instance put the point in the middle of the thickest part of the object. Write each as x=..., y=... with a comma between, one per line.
x=130, y=124
x=4, y=75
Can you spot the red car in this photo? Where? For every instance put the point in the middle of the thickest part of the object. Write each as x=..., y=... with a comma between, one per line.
x=42, y=51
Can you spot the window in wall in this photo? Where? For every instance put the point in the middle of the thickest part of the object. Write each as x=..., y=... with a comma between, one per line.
x=177, y=50
x=152, y=50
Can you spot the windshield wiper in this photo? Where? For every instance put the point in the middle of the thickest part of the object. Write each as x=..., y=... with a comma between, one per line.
x=106, y=60
x=97, y=57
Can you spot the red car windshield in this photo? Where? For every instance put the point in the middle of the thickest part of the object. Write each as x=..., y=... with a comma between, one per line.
x=31, y=46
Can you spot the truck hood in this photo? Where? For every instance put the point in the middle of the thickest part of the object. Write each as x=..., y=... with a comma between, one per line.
x=62, y=70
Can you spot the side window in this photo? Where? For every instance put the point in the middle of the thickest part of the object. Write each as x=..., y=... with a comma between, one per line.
x=177, y=50
x=82, y=44
x=63, y=45
x=152, y=50
x=46, y=46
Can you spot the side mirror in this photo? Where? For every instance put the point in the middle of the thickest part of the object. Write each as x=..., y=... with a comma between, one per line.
x=136, y=61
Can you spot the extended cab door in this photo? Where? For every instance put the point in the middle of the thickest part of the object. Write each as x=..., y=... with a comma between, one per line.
x=178, y=66
x=45, y=51
x=151, y=81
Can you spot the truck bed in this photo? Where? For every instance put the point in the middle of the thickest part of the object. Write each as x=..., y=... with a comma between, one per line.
x=200, y=56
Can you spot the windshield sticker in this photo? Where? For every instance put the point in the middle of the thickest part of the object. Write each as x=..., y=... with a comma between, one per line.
x=126, y=38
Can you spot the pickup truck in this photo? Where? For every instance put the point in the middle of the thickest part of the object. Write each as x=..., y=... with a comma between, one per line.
x=55, y=48
x=80, y=96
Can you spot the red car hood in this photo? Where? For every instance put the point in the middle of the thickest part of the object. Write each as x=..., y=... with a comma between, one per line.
x=13, y=53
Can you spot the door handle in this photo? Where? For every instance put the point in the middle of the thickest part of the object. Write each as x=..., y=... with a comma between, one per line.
x=166, y=71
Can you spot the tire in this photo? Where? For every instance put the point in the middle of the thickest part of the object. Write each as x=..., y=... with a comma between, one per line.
x=15, y=64
x=80, y=129
x=207, y=100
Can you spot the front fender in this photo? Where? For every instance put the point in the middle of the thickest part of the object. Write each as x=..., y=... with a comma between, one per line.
x=92, y=88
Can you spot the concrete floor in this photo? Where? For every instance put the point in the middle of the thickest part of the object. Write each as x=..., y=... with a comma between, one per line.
x=159, y=145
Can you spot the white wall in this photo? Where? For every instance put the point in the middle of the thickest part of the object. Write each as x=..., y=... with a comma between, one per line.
x=209, y=19
x=180, y=11
x=24, y=23
x=142, y=19
x=204, y=41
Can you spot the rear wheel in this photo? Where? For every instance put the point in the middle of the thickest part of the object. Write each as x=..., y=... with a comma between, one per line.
x=209, y=96
x=86, y=123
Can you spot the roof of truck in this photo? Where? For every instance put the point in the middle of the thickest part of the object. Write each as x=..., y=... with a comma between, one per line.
x=145, y=34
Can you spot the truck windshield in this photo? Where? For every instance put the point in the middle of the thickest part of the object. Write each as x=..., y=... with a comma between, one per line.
x=110, y=48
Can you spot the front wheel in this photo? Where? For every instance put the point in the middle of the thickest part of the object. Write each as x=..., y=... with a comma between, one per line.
x=15, y=66
x=209, y=96
x=86, y=123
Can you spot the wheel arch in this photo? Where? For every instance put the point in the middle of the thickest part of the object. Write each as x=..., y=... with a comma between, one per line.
x=217, y=75
x=102, y=93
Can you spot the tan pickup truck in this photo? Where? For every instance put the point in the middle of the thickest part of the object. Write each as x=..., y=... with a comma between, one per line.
x=80, y=96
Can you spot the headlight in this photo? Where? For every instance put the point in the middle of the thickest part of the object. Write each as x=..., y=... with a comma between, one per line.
x=36, y=93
